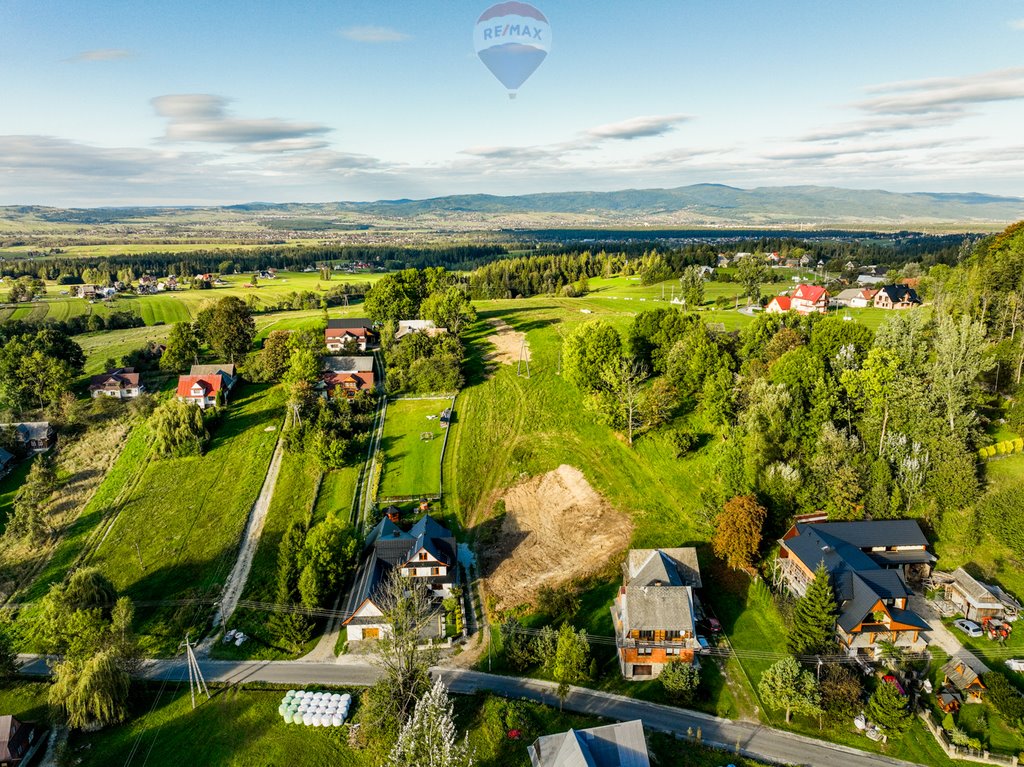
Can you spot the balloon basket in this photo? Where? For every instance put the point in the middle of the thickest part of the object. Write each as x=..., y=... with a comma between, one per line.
x=511, y=96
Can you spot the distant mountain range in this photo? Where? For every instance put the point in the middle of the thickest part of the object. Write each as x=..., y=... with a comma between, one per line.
x=712, y=205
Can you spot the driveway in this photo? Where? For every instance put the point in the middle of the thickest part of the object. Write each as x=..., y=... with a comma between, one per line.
x=942, y=637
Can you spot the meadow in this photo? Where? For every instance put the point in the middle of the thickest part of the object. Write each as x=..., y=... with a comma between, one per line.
x=177, y=534
x=412, y=464
x=179, y=305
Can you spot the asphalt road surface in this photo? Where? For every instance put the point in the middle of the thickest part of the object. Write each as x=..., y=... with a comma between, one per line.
x=752, y=740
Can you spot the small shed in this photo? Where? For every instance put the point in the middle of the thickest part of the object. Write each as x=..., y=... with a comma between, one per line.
x=959, y=674
x=446, y=417
x=972, y=597
x=949, y=700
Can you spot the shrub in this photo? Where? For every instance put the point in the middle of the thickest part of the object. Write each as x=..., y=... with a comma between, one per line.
x=680, y=442
x=680, y=680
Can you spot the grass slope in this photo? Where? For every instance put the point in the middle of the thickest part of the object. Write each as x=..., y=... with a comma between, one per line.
x=184, y=518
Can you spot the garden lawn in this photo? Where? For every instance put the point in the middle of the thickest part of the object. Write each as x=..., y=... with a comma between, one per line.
x=337, y=491
x=178, y=533
x=25, y=701
x=412, y=465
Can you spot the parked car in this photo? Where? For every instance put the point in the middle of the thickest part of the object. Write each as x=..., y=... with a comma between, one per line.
x=705, y=645
x=1015, y=664
x=713, y=625
x=970, y=628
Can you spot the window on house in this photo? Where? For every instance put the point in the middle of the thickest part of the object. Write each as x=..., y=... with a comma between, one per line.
x=423, y=557
x=435, y=571
x=647, y=635
x=644, y=651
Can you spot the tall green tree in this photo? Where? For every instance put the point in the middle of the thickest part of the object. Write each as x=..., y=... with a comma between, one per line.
x=814, y=617
x=960, y=357
x=449, y=308
x=182, y=349
x=228, y=328
x=572, y=659
x=691, y=287
x=588, y=350
x=890, y=710
x=787, y=686
x=751, y=273
x=178, y=429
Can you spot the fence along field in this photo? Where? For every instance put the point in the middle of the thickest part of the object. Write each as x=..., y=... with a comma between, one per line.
x=412, y=445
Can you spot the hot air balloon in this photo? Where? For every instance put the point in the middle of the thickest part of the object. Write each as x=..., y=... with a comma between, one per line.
x=512, y=39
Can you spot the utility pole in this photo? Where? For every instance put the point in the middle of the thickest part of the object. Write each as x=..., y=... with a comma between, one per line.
x=196, y=683
x=522, y=354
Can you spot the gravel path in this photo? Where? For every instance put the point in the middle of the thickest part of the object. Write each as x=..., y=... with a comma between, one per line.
x=250, y=540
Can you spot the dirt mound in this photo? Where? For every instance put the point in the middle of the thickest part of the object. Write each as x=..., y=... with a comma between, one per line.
x=507, y=344
x=556, y=528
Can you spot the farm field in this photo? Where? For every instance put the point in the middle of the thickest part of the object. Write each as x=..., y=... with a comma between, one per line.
x=412, y=465
x=182, y=305
x=177, y=534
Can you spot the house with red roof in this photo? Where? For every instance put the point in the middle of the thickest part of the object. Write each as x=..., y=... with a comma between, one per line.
x=779, y=305
x=810, y=299
x=200, y=390
x=348, y=332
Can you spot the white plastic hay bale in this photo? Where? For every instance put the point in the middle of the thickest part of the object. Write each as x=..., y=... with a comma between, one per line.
x=346, y=699
x=337, y=721
x=292, y=693
x=336, y=697
x=281, y=709
x=307, y=719
x=288, y=717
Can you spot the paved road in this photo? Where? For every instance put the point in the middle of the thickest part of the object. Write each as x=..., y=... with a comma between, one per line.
x=752, y=740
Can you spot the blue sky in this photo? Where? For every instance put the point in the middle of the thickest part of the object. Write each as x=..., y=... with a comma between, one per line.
x=186, y=102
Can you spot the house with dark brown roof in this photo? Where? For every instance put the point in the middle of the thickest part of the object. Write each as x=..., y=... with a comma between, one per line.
x=896, y=297
x=427, y=553
x=868, y=565
x=119, y=383
x=18, y=740
x=345, y=333
x=654, y=612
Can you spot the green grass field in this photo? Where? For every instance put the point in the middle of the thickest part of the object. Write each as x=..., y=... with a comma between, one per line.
x=337, y=492
x=412, y=465
x=178, y=533
x=9, y=488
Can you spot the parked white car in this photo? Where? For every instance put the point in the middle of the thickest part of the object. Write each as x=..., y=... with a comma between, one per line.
x=1015, y=664
x=970, y=628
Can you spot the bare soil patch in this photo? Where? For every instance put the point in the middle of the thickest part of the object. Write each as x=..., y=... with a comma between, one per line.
x=507, y=344
x=556, y=528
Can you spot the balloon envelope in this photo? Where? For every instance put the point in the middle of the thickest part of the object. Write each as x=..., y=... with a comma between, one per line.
x=512, y=39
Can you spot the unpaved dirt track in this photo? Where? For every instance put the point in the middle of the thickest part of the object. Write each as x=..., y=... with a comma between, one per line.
x=556, y=528
x=250, y=541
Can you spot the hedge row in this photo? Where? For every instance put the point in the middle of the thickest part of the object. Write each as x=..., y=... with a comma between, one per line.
x=1003, y=448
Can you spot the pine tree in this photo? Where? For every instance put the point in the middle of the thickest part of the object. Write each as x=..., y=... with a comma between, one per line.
x=428, y=738
x=814, y=617
x=889, y=710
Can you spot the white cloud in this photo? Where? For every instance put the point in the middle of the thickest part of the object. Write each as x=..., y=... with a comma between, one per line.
x=204, y=117
x=945, y=94
x=638, y=127
x=1017, y=24
x=373, y=34
x=103, y=54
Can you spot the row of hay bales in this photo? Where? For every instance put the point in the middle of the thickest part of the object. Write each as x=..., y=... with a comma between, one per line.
x=315, y=709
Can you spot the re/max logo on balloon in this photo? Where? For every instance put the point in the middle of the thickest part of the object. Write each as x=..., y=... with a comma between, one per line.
x=512, y=30
x=512, y=39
